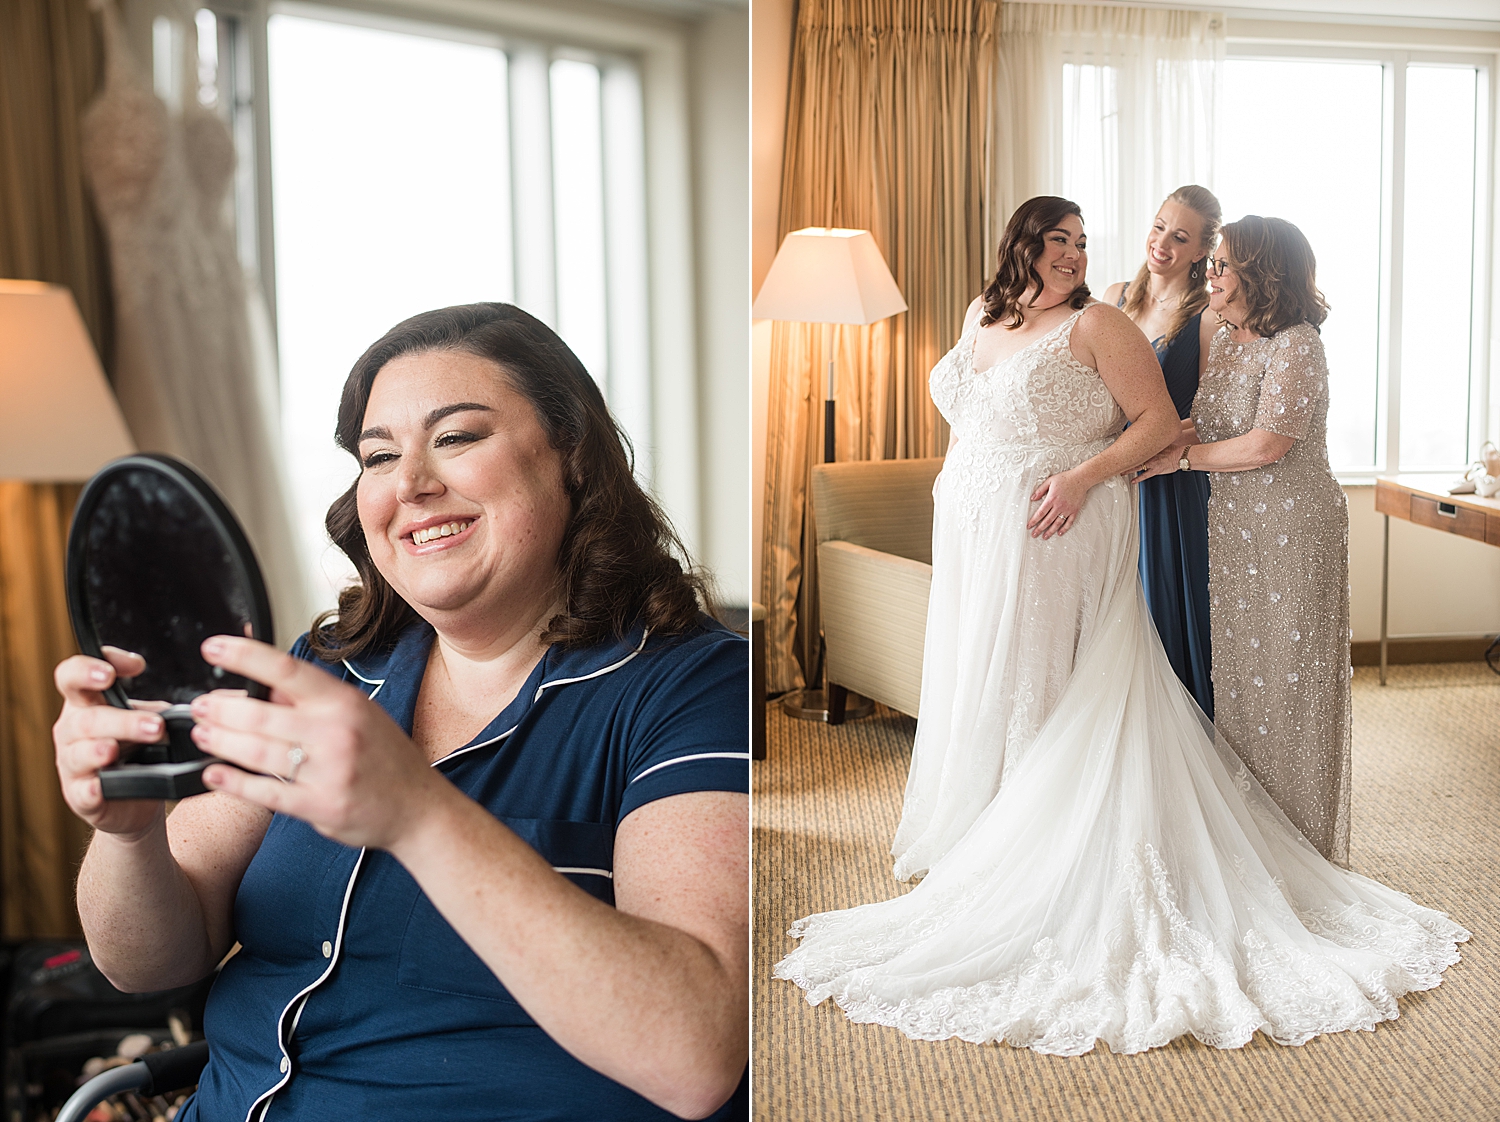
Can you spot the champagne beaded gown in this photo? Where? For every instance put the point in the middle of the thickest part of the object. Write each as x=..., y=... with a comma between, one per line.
x=1098, y=865
x=1278, y=586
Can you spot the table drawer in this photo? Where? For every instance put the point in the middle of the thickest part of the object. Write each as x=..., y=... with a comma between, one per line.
x=1462, y=521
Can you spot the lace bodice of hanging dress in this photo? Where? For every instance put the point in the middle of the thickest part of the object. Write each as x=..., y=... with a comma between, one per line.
x=189, y=379
x=1100, y=866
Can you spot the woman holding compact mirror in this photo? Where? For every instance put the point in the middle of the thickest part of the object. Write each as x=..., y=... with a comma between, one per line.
x=516, y=882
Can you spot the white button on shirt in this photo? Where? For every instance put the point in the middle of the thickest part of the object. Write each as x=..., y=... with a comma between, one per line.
x=327, y=948
x=285, y=1064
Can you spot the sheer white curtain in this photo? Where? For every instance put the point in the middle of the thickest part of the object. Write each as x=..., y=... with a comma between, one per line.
x=1111, y=107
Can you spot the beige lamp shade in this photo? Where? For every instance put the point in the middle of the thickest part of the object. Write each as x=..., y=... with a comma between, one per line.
x=828, y=275
x=59, y=421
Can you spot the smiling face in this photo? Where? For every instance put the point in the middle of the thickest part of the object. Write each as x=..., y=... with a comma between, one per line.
x=461, y=497
x=1224, y=290
x=1175, y=241
x=1063, y=261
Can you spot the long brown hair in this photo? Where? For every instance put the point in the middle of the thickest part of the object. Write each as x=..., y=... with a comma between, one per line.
x=1201, y=201
x=1277, y=273
x=1020, y=247
x=617, y=555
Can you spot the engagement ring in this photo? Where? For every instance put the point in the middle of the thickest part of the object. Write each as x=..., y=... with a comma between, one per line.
x=295, y=759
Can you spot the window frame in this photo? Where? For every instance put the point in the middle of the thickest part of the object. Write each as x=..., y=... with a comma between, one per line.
x=1482, y=424
x=668, y=461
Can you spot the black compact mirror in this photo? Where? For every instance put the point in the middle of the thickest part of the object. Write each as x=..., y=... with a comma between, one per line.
x=156, y=564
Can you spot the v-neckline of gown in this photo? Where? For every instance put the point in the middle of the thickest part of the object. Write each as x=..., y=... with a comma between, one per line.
x=974, y=370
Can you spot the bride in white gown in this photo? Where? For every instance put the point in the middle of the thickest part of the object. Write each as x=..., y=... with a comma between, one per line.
x=1098, y=865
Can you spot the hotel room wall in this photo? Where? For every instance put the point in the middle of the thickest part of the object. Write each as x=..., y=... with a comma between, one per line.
x=720, y=71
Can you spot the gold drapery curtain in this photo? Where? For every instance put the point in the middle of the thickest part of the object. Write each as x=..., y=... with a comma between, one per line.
x=51, y=64
x=887, y=127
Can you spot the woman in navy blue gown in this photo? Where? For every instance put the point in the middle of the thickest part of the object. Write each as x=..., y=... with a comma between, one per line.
x=1167, y=301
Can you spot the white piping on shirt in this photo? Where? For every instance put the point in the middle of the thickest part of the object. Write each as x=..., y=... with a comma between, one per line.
x=537, y=696
x=302, y=994
x=694, y=756
x=378, y=683
x=264, y=1102
x=597, y=673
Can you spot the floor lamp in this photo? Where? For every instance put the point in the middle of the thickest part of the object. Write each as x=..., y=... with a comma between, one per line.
x=59, y=423
x=828, y=276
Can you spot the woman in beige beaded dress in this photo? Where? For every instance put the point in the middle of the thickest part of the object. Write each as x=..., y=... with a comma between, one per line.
x=1278, y=529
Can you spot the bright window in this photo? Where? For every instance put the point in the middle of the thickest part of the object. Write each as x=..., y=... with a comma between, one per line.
x=413, y=172
x=1379, y=160
x=1437, y=293
x=1281, y=158
x=1315, y=141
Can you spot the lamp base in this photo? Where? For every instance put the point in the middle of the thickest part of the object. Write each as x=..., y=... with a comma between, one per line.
x=817, y=705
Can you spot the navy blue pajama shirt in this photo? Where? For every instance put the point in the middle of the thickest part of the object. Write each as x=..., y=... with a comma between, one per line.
x=352, y=997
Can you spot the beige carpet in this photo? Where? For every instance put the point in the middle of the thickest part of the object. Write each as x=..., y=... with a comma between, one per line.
x=1426, y=820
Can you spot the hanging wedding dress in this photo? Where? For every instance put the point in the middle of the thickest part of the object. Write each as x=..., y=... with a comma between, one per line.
x=192, y=378
x=1099, y=865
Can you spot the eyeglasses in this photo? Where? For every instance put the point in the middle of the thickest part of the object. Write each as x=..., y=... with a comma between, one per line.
x=1216, y=266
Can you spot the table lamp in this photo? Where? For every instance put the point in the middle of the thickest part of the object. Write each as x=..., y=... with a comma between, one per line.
x=825, y=275
x=59, y=421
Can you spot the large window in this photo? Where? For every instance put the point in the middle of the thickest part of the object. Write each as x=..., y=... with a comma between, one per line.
x=1379, y=161
x=1379, y=158
x=417, y=167
x=1279, y=158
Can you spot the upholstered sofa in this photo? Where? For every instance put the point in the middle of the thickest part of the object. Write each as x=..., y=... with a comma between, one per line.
x=874, y=530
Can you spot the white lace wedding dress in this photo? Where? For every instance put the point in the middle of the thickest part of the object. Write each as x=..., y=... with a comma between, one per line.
x=1098, y=865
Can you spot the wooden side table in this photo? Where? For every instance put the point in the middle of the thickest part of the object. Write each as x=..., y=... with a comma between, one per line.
x=1424, y=499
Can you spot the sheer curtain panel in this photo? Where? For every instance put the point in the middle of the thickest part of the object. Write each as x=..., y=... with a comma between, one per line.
x=1113, y=108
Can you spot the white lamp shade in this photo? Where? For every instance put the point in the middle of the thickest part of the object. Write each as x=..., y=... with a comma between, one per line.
x=828, y=275
x=59, y=421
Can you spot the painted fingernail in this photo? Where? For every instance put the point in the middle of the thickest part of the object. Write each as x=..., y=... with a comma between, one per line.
x=100, y=675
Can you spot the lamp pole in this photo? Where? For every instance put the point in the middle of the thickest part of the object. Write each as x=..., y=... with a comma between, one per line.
x=828, y=276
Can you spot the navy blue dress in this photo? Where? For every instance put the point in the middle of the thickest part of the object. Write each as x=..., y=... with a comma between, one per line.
x=1174, y=537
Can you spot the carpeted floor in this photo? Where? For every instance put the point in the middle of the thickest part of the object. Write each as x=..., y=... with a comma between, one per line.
x=1426, y=820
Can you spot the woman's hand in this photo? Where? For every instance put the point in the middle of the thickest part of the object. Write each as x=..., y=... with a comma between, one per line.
x=1062, y=496
x=360, y=779
x=1164, y=462
x=90, y=734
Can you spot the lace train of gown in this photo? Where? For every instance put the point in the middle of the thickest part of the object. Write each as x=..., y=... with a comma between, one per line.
x=1130, y=881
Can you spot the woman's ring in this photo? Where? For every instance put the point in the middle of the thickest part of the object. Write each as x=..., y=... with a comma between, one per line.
x=295, y=758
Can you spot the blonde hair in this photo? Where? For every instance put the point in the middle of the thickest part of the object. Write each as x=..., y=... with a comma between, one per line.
x=1201, y=201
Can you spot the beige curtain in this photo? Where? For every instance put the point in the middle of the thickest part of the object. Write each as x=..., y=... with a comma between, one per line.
x=50, y=66
x=887, y=125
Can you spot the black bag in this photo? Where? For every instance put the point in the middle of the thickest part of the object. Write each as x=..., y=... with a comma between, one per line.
x=56, y=990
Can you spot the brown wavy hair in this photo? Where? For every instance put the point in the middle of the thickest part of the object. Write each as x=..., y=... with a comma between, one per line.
x=1201, y=201
x=1020, y=247
x=1277, y=273
x=619, y=557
